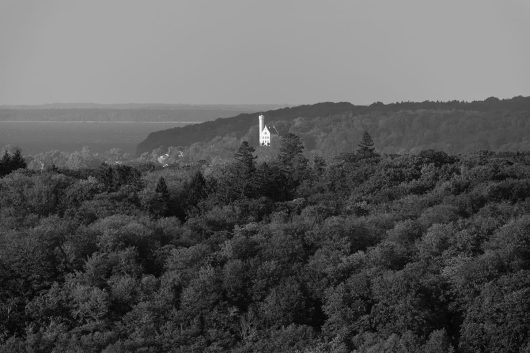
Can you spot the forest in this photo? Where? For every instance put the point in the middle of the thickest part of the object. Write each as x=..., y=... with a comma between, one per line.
x=333, y=128
x=327, y=130
x=363, y=252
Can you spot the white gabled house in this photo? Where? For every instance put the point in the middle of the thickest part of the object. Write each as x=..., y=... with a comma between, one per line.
x=264, y=132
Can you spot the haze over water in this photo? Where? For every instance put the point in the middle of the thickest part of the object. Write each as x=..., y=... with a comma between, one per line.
x=34, y=137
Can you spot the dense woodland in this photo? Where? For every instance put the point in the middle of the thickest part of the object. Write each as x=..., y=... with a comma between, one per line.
x=327, y=130
x=367, y=252
x=333, y=128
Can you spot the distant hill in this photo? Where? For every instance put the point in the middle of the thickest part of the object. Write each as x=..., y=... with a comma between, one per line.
x=237, y=126
x=126, y=112
x=333, y=128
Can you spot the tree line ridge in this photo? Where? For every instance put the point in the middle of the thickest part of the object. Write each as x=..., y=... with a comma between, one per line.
x=332, y=128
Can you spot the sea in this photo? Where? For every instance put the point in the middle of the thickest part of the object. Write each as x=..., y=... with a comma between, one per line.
x=34, y=137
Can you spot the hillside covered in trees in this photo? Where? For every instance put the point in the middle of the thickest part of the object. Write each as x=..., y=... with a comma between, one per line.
x=426, y=252
x=333, y=128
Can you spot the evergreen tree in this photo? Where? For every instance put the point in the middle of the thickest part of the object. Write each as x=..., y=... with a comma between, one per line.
x=366, y=147
x=245, y=158
x=158, y=204
x=5, y=164
x=196, y=189
x=293, y=163
x=9, y=163
x=238, y=178
x=291, y=147
x=161, y=187
x=239, y=181
x=271, y=182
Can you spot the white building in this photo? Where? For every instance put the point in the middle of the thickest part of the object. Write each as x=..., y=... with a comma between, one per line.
x=163, y=159
x=264, y=133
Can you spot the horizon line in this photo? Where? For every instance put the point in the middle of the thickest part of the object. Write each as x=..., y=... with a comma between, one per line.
x=147, y=104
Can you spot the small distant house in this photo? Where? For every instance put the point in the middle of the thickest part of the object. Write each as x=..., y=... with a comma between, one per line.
x=163, y=159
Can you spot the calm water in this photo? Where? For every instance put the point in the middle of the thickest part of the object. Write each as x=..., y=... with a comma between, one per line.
x=34, y=137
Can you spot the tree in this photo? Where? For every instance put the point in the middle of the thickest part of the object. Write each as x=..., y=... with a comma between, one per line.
x=291, y=147
x=271, y=182
x=17, y=161
x=438, y=342
x=161, y=187
x=5, y=164
x=238, y=179
x=245, y=158
x=113, y=177
x=159, y=203
x=196, y=189
x=497, y=320
x=11, y=162
x=292, y=161
x=366, y=147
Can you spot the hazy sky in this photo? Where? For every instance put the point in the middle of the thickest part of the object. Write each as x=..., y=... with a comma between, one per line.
x=267, y=51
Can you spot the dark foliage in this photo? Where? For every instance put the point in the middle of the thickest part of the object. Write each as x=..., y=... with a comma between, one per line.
x=332, y=128
x=366, y=147
x=425, y=252
x=11, y=162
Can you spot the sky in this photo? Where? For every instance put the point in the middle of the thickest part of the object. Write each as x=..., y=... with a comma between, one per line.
x=273, y=51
